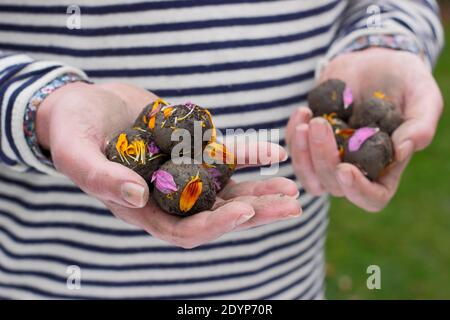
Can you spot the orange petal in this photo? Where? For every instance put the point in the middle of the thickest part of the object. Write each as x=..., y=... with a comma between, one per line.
x=331, y=118
x=122, y=144
x=213, y=133
x=345, y=132
x=219, y=152
x=341, y=152
x=379, y=95
x=155, y=108
x=167, y=112
x=190, y=194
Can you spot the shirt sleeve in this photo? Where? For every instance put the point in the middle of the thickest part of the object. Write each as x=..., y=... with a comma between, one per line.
x=20, y=78
x=417, y=19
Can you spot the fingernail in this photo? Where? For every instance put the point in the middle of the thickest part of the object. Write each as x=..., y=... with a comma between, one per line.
x=133, y=193
x=286, y=156
x=404, y=150
x=297, y=195
x=319, y=130
x=244, y=218
x=304, y=112
x=345, y=177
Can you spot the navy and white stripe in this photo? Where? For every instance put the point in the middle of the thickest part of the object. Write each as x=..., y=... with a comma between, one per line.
x=250, y=61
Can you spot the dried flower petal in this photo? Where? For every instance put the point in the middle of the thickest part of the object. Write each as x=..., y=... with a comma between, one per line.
x=167, y=112
x=331, y=118
x=345, y=132
x=347, y=97
x=122, y=144
x=213, y=133
x=164, y=181
x=379, y=95
x=190, y=194
x=152, y=148
x=215, y=174
x=360, y=136
x=155, y=109
x=341, y=152
x=220, y=154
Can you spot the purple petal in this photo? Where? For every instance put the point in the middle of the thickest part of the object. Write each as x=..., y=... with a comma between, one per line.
x=189, y=105
x=152, y=148
x=360, y=136
x=164, y=181
x=215, y=175
x=348, y=97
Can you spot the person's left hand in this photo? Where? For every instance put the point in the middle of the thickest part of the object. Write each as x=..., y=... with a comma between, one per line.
x=405, y=79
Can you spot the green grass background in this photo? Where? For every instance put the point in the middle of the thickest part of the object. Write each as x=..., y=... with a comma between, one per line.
x=410, y=239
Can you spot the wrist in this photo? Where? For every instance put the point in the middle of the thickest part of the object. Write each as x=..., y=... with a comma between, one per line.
x=44, y=111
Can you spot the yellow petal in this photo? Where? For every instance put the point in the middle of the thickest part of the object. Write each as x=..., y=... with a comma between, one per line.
x=219, y=152
x=167, y=112
x=213, y=133
x=331, y=118
x=122, y=144
x=379, y=95
x=190, y=194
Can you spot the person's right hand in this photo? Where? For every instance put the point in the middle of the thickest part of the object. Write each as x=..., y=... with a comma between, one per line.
x=74, y=122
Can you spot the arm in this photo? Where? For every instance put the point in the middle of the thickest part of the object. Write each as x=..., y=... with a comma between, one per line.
x=73, y=123
x=405, y=77
x=20, y=78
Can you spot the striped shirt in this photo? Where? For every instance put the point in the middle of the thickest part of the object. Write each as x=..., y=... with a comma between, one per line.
x=251, y=62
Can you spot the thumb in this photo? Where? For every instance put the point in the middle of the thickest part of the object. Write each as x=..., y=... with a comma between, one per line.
x=422, y=112
x=412, y=135
x=87, y=166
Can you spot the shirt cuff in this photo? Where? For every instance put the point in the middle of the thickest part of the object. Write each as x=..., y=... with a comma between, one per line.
x=24, y=115
x=392, y=38
x=29, y=120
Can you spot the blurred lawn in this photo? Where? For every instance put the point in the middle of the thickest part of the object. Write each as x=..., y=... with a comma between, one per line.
x=410, y=239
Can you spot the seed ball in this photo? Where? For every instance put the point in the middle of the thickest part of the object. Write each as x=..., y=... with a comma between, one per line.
x=340, y=128
x=376, y=112
x=220, y=163
x=194, y=119
x=332, y=96
x=133, y=149
x=142, y=121
x=374, y=155
x=183, y=189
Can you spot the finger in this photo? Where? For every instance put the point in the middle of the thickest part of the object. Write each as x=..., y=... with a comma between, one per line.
x=371, y=196
x=276, y=185
x=302, y=162
x=85, y=164
x=269, y=209
x=200, y=228
x=422, y=110
x=324, y=154
x=255, y=153
x=300, y=115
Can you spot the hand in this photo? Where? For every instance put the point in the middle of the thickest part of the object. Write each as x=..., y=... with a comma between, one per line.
x=406, y=80
x=74, y=122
